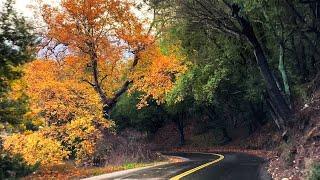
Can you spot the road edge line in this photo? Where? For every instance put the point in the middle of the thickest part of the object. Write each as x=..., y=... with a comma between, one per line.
x=179, y=176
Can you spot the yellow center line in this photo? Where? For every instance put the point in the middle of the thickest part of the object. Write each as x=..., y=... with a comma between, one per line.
x=221, y=157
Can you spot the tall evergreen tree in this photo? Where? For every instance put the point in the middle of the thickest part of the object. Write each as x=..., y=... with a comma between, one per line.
x=16, y=42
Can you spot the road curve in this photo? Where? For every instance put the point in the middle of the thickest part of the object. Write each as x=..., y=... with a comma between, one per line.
x=204, y=166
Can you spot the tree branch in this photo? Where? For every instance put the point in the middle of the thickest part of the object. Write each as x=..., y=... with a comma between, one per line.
x=102, y=79
x=90, y=83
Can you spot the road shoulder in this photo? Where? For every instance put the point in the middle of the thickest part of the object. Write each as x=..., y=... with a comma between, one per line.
x=171, y=160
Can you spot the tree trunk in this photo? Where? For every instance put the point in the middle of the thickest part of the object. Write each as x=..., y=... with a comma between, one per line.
x=299, y=49
x=283, y=71
x=278, y=120
x=109, y=103
x=227, y=138
x=278, y=101
x=180, y=126
x=181, y=134
x=259, y=116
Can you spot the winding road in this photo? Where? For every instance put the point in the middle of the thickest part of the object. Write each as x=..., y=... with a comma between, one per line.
x=202, y=166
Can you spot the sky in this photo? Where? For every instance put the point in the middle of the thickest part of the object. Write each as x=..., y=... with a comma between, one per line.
x=22, y=7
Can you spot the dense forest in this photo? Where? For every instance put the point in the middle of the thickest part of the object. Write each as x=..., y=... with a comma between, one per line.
x=107, y=83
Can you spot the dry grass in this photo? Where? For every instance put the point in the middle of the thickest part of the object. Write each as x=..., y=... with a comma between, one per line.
x=69, y=171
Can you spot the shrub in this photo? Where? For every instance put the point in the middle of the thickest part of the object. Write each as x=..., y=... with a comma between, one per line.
x=129, y=147
x=35, y=148
x=87, y=140
x=84, y=136
x=14, y=166
x=315, y=172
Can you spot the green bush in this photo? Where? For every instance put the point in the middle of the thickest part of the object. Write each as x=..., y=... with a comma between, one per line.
x=14, y=166
x=315, y=172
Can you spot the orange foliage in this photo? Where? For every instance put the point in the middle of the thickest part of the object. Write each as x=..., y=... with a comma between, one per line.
x=76, y=22
x=108, y=33
x=156, y=73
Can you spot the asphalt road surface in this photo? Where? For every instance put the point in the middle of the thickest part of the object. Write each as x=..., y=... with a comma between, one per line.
x=233, y=166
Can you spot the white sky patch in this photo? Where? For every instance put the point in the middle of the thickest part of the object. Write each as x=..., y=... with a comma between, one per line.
x=25, y=8
x=22, y=7
x=28, y=8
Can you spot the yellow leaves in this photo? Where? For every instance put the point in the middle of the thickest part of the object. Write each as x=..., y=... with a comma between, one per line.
x=71, y=108
x=80, y=128
x=83, y=136
x=57, y=93
x=16, y=92
x=51, y=145
x=35, y=148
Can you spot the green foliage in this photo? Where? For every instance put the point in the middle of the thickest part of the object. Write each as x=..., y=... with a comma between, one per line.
x=127, y=115
x=199, y=82
x=16, y=41
x=223, y=77
x=14, y=166
x=224, y=72
x=300, y=48
x=315, y=172
x=12, y=111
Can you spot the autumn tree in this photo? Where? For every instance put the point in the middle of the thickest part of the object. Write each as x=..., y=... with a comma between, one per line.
x=115, y=46
x=67, y=110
